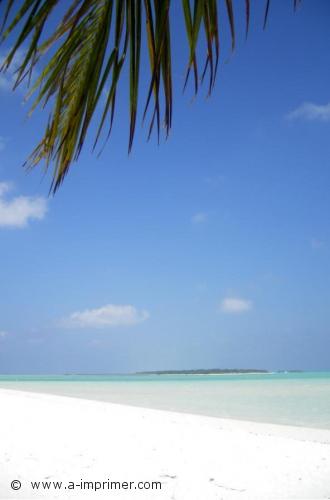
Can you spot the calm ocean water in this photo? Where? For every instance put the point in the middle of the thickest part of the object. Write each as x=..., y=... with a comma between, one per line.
x=301, y=399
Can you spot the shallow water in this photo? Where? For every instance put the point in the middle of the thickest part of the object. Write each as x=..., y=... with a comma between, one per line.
x=301, y=399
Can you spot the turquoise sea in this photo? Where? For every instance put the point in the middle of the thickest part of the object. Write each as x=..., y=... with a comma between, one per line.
x=301, y=399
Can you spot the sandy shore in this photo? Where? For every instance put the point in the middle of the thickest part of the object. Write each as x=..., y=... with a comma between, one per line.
x=53, y=438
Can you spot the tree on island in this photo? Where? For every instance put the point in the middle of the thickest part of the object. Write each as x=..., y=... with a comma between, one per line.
x=81, y=58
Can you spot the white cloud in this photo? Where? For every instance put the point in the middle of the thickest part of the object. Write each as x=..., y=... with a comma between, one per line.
x=310, y=111
x=18, y=211
x=234, y=305
x=199, y=218
x=109, y=315
x=3, y=334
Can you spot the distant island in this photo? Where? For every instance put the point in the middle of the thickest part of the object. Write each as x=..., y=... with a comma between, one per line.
x=203, y=371
x=199, y=371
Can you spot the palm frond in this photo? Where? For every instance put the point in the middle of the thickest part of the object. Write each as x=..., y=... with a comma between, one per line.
x=82, y=59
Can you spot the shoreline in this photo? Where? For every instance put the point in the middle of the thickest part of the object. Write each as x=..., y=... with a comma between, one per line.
x=153, y=401
x=60, y=438
x=315, y=434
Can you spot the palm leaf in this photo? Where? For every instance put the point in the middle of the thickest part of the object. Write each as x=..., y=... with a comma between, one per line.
x=82, y=59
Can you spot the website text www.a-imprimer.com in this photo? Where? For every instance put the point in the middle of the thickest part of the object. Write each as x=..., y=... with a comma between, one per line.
x=87, y=485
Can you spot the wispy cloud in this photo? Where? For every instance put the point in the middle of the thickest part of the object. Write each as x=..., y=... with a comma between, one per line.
x=199, y=218
x=215, y=180
x=311, y=112
x=316, y=244
x=3, y=334
x=18, y=211
x=234, y=305
x=8, y=77
x=2, y=143
x=109, y=315
x=6, y=81
x=5, y=187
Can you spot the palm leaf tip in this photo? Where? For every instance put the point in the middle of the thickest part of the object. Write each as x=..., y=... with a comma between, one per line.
x=82, y=58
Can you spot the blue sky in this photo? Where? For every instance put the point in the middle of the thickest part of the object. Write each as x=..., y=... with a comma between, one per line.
x=211, y=250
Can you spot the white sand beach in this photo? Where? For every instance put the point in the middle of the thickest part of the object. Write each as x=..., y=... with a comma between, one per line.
x=53, y=438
